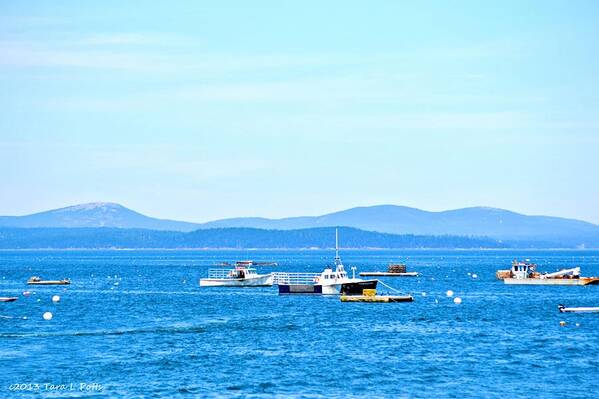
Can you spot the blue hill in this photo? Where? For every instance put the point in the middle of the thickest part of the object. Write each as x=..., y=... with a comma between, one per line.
x=495, y=223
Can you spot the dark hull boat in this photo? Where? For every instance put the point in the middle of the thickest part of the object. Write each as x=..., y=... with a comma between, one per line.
x=329, y=282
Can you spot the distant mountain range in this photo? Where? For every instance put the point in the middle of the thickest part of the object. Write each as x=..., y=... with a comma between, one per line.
x=494, y=223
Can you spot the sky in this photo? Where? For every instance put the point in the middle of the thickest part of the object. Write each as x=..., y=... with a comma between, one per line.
x=205, y=110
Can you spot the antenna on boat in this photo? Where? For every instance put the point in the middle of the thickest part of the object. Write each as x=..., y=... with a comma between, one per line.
x=337, y=258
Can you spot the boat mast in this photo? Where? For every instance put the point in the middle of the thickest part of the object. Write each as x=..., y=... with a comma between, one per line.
x=337, y=258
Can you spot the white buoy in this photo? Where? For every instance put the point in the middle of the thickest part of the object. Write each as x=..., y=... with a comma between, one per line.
x=436, y=301
x=457, y=300
x=55, y=298
x=475, y=275
x=469, y=273
x=449, y=293
x=424, y=294
x=47, y=316
x=577, y=324
x=26, y=293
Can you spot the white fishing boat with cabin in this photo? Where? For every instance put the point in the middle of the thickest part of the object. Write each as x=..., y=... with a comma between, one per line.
x=525, y=273
x=240, y=276
x=329, y=282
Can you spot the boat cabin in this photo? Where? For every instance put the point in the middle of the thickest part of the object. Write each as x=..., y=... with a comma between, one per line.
x=522, y=269
x=242, y=272
x=329, y=275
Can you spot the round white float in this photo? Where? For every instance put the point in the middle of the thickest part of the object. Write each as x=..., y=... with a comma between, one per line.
x=47, y=316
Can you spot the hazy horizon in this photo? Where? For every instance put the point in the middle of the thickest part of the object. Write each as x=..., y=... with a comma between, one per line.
x=199, y=112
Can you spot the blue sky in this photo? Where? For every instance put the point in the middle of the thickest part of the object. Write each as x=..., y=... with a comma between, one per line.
x=221, y=109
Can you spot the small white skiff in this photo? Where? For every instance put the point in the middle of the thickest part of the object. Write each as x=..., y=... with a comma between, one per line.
x=592, y=309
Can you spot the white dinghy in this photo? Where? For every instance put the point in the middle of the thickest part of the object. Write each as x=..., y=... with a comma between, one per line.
x=590, y=309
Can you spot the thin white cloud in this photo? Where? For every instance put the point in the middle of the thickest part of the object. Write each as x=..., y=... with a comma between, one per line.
x=153, y=52
x=111, y=53
x=16, y=54
x=135, y=39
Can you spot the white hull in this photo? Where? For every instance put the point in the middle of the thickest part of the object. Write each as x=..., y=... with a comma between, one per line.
x=580, y=310
x=331, y=289
x=260, y=280
x=545, y=281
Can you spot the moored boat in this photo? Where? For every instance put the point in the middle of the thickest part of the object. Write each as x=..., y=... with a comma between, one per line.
x=36, y=280
x=525, y=273
x=8, y=299
x=581, y=309
x=329, y=282
x=240, y=276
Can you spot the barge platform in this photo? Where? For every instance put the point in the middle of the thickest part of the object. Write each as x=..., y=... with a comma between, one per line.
x=377, y=298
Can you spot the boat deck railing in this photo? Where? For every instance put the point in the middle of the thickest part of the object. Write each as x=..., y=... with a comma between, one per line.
x=219, y=273
x=294, y=278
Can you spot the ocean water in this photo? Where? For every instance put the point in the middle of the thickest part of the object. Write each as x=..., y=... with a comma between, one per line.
x=136, y=324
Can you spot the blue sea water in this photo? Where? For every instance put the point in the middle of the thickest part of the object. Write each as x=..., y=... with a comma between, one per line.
x=136, y=324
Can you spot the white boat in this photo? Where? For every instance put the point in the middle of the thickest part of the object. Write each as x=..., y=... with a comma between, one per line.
x=328, y=282
x=524, y=273
x=592, y=309
x=8, y=299
x=337, y=282
x=240, y=276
